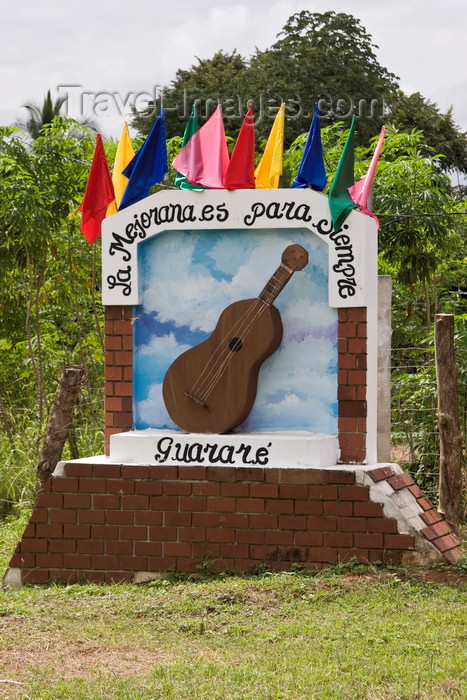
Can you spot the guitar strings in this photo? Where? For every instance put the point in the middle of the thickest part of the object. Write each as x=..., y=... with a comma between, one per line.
x=214, y=375
x=237, y=328
x=216, y=366
x=222, y=349
x=229, y=355
x=226, y=350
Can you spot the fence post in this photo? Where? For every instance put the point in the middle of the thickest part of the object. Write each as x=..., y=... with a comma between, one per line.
x=60, y=420
x=450, y=470
x=383, y=444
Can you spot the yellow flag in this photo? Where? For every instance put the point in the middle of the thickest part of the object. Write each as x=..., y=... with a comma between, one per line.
x=269, y=169
x=123, y=156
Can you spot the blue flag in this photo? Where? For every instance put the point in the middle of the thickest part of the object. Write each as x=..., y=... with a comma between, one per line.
x=148, y=166
x=311, y=170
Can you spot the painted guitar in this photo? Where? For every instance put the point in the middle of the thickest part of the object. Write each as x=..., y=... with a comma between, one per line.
x=211, y=387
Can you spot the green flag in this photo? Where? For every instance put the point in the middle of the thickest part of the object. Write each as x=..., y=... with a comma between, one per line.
x=190, y=129
x=340, y=201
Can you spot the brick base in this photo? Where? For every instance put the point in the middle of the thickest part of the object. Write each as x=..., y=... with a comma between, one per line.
x=106, y=522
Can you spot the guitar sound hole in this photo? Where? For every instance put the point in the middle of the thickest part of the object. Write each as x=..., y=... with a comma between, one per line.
x=235, y=344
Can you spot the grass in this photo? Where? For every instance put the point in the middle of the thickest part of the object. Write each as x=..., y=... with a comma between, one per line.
x=19, y=456
x=345, y=633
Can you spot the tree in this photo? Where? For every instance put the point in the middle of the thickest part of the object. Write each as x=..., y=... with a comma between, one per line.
x=221, y=78
x=439, y=130
x=48, y=272
x=40, y=115
x=327, y=57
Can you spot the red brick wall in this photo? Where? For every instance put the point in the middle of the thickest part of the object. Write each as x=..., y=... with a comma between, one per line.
x=118, y=371
x=104, y=522
x=352, y=377
x=352, y=338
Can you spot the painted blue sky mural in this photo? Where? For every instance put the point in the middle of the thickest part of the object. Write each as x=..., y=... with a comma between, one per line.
x=187, y=278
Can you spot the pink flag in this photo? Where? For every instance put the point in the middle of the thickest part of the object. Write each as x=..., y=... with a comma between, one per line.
x=205, y=158
x=360, y=192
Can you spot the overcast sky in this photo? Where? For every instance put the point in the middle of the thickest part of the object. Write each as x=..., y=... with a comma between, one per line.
x=113, y=46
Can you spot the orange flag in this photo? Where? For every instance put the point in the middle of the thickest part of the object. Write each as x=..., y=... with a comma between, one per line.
x=99, y=193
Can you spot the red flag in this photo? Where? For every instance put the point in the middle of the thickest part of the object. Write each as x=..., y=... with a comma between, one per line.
x=241, y=171
x=99, y=193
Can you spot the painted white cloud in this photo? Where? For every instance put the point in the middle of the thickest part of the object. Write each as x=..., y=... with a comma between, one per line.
x=176, y=297
x=289, y=413
x=162, y=345
x=295, y=313
x=152, y=410
x=297, y=365
x=191, y=296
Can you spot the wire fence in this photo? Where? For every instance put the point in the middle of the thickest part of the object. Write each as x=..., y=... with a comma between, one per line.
x=414, y=425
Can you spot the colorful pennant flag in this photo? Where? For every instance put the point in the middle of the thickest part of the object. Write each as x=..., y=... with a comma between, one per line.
x=269, y=169
x=311, y=171
x=125, y=153
x=360, y=192
x=205, y=158
x=190, y=129
x=241, y=171
x=340, y=201
x=98, y=194
x=148, y=166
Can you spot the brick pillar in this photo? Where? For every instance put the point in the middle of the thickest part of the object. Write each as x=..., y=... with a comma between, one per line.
x=118, y=371
x=352, y=378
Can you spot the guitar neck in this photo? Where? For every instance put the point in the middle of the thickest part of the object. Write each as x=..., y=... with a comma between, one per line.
x=276, y=284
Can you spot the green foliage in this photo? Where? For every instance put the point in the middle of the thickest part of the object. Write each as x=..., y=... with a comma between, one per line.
x=49, y=283
x=326, y=57
x=412, y=199
x=440, y=133
x=416, y=207
x=173, y=147
x=11, y=529
x=17, y=469
x=42, y=115
x=414, y=424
